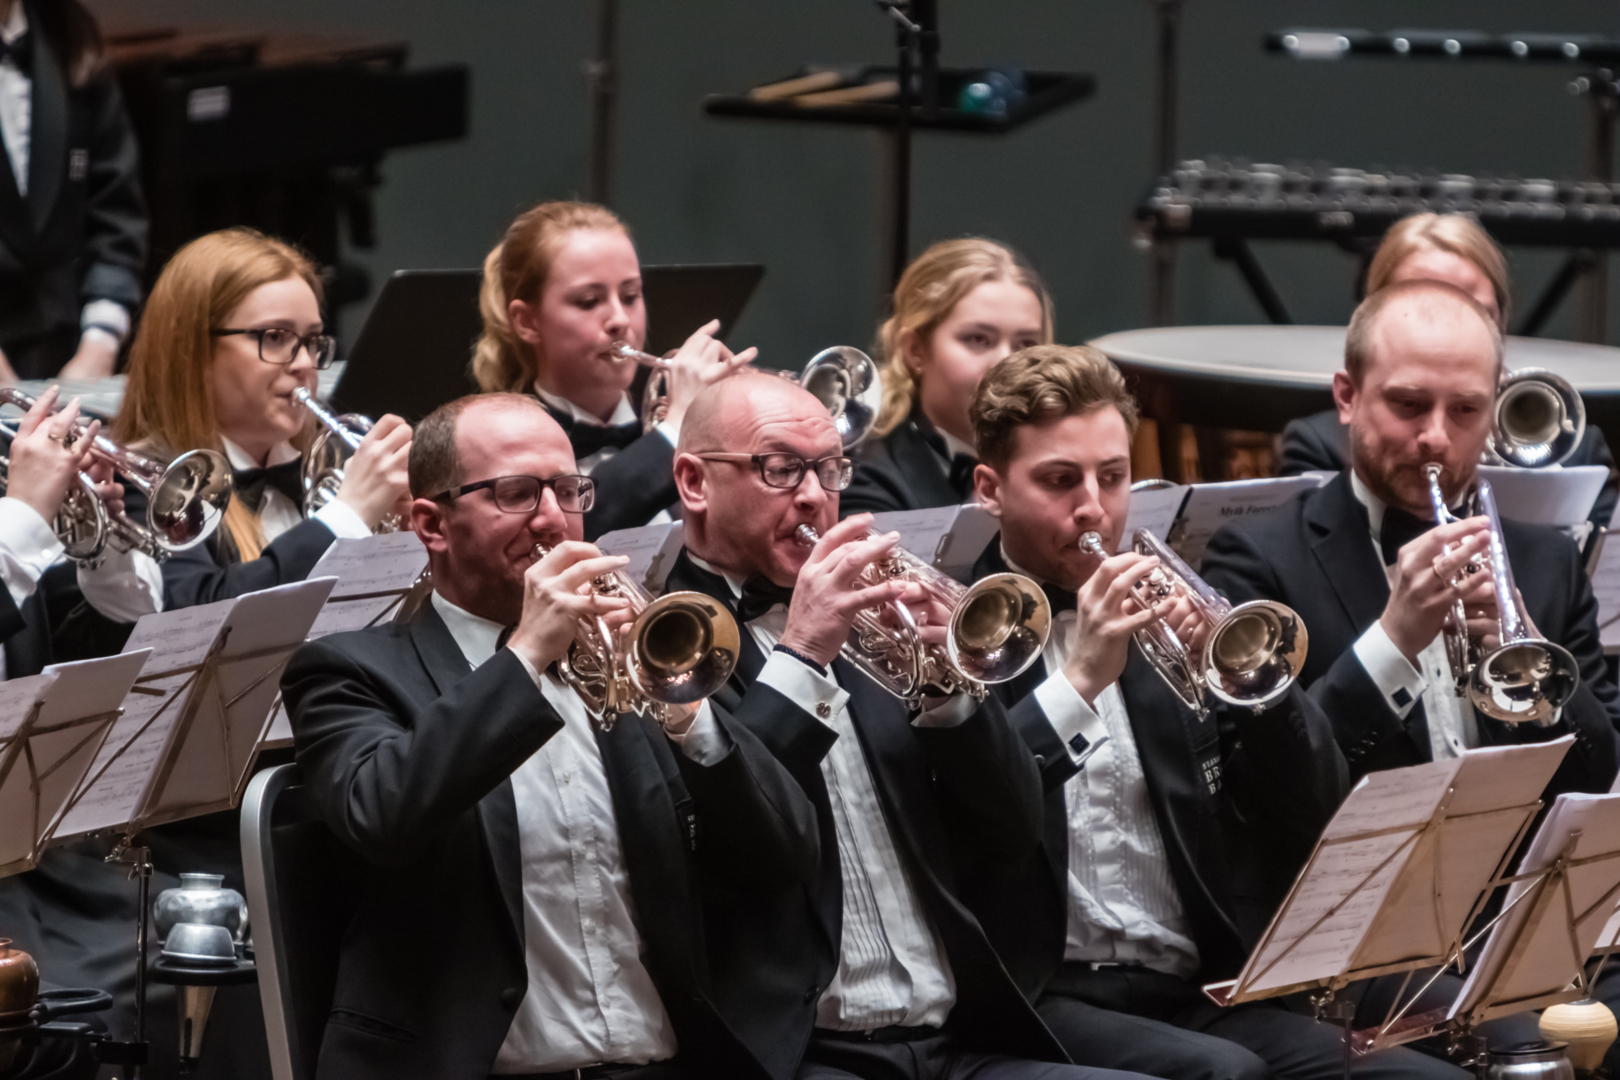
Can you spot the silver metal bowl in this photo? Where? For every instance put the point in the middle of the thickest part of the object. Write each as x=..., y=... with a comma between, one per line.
x=200, y=943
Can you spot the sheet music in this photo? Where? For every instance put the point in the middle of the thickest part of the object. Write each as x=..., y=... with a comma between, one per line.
x=17, y=824
x=17, y=697
x=1209, y=506
x=961, y=547
x=1557, y=496
x=1363, y=849
x=651, y=549
x=1606, y=590
x=112, y=789
x=1529, y=952
x=1153, y=509
x=921, y=531
x=372, y=564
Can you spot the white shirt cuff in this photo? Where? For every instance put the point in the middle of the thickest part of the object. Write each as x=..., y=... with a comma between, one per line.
x=28, y=545
x=703, y=741
x=109, y=314
x=341, y=518
x=670, y=431
x=1390, y=671
x=818, y=694
x=127, y=585
x=952, y=712
x=1077, y=724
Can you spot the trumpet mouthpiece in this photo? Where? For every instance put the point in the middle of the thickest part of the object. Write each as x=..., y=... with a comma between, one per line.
x=806, y=535
x=1092, y=542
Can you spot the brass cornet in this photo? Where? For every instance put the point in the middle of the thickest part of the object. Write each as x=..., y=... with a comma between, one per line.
x=682, y=648
x=842, y=378
x=324, y=459
x=998, y=628
x=1537, y=422
x=1525, y=679
x=82, y=524
x=185, y=498
x=1253, y=653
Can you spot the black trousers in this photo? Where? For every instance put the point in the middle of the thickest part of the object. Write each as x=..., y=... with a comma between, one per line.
x=1160, y=1024
x=932, y=1058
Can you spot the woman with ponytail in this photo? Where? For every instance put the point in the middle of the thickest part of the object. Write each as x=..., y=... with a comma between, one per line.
x=232, y=327
x=960, y=307
x=559, y=289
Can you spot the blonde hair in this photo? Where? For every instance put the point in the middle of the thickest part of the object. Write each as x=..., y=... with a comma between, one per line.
x=932, y=285
x=1043, y=383
x=1460, y=235
x=516, y=269
x=166, y=404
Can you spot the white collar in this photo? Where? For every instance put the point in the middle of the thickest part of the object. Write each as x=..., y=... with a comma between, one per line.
x=17, y=25
x=733, y=580
x=956, y=446
x=239, y=458
x=1374, y=505
x=474, y=634
x=623, y=413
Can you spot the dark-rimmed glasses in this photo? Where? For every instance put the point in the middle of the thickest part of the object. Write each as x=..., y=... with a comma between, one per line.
x=278, y=345
x=780, y=470
x=521, y=494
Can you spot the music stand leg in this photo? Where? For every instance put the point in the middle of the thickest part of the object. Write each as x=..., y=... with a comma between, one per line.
x=131, y=1054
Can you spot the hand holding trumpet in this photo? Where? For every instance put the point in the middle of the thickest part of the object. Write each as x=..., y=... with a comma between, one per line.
x=1429, y=581
x=557, y=594
x=46, y=459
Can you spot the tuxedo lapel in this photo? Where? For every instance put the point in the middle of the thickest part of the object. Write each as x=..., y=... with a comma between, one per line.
x=1344, y=554
x=446, y=664
x=688, y=575
x=47, y=130
x=920, y=468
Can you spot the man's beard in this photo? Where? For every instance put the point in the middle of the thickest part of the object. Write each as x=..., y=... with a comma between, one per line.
x=1398, y=483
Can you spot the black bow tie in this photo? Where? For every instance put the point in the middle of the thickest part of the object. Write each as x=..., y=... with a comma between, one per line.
x=287, y=478
x=962, y=466
x=587, y=439
x=20, y=51
x=1060, y=598
x=759, y=595
x=1401, y=528
x=959, y=466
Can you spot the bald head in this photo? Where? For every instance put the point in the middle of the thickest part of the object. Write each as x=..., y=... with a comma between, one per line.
x=1409, y=311
x=436, y=442
x=731, y=414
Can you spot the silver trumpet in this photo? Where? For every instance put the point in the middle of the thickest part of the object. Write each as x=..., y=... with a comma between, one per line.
x=1253, y=653
x=998, y=628
x=1538, y=420
x=682, y=648
x=82, y=524
x=842, y=378
x=1525, y=679
x=185, y=497
x=325, y=457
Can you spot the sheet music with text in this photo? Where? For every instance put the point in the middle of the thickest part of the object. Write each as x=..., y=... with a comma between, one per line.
x=1209, y=506
x=651, y=549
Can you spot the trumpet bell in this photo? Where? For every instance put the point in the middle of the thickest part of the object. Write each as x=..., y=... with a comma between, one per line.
x=999, y=628
x=847, y=383
x=188, y=499
x=1539, y=419
x=1525, y=681
x=683, y=647
x=1254, y=653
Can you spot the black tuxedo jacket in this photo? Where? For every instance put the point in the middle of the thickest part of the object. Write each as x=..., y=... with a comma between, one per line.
x=80, y=233
x=632, y=485
x=1320, y=443
x=214, y=571
x=971, y=788
x=1239, y=798
x=1315, y=555
x=408, y=753
x=900, y=471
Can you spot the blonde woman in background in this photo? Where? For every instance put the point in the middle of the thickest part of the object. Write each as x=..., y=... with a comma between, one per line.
x=1452, y=248
x=560, y=288
x=960, y=307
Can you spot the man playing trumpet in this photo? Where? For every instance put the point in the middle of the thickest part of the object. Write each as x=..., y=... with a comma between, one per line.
x=1171, y=832
x=531, y=889
x=1362, y=562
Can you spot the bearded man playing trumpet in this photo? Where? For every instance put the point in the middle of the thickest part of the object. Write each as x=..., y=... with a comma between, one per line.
x=875, y=968
x=1377, y=582
x=531, y=887
x=1175, y=818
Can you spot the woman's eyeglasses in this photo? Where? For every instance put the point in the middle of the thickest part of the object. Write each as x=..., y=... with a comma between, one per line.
x=278, y=345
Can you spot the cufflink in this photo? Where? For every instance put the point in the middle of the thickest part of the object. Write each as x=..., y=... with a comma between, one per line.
x=823, y=710
x=1401, y=697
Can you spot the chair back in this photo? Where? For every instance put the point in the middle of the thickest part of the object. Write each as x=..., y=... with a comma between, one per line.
x=300, y=897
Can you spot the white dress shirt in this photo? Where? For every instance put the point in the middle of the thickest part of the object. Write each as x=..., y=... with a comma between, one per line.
x=28, y=546
x=130, y=585
x=590, y=999
x=104, y=318
x=1123, y=903
x=1453, y=727
x=892, y=967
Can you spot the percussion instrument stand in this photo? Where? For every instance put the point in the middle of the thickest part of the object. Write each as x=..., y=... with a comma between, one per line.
x=601, y=74
x=131, y=1054
x=1601, y=92
x=923, y=36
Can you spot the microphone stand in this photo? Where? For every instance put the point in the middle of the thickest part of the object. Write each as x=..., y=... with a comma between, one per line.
x=906, y=36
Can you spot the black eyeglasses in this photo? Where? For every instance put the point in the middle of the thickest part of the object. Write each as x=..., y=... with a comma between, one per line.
x=521, y=494
x=787, y=470
x=278, y=345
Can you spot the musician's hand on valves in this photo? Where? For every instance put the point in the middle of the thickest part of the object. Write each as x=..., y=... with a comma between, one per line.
x=108, y=489
x=1427, y=584
x=1106, y=616
x=700, y=363
x=45, y=459
x=374, y=479
x=557, y=594
x=829, y=594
